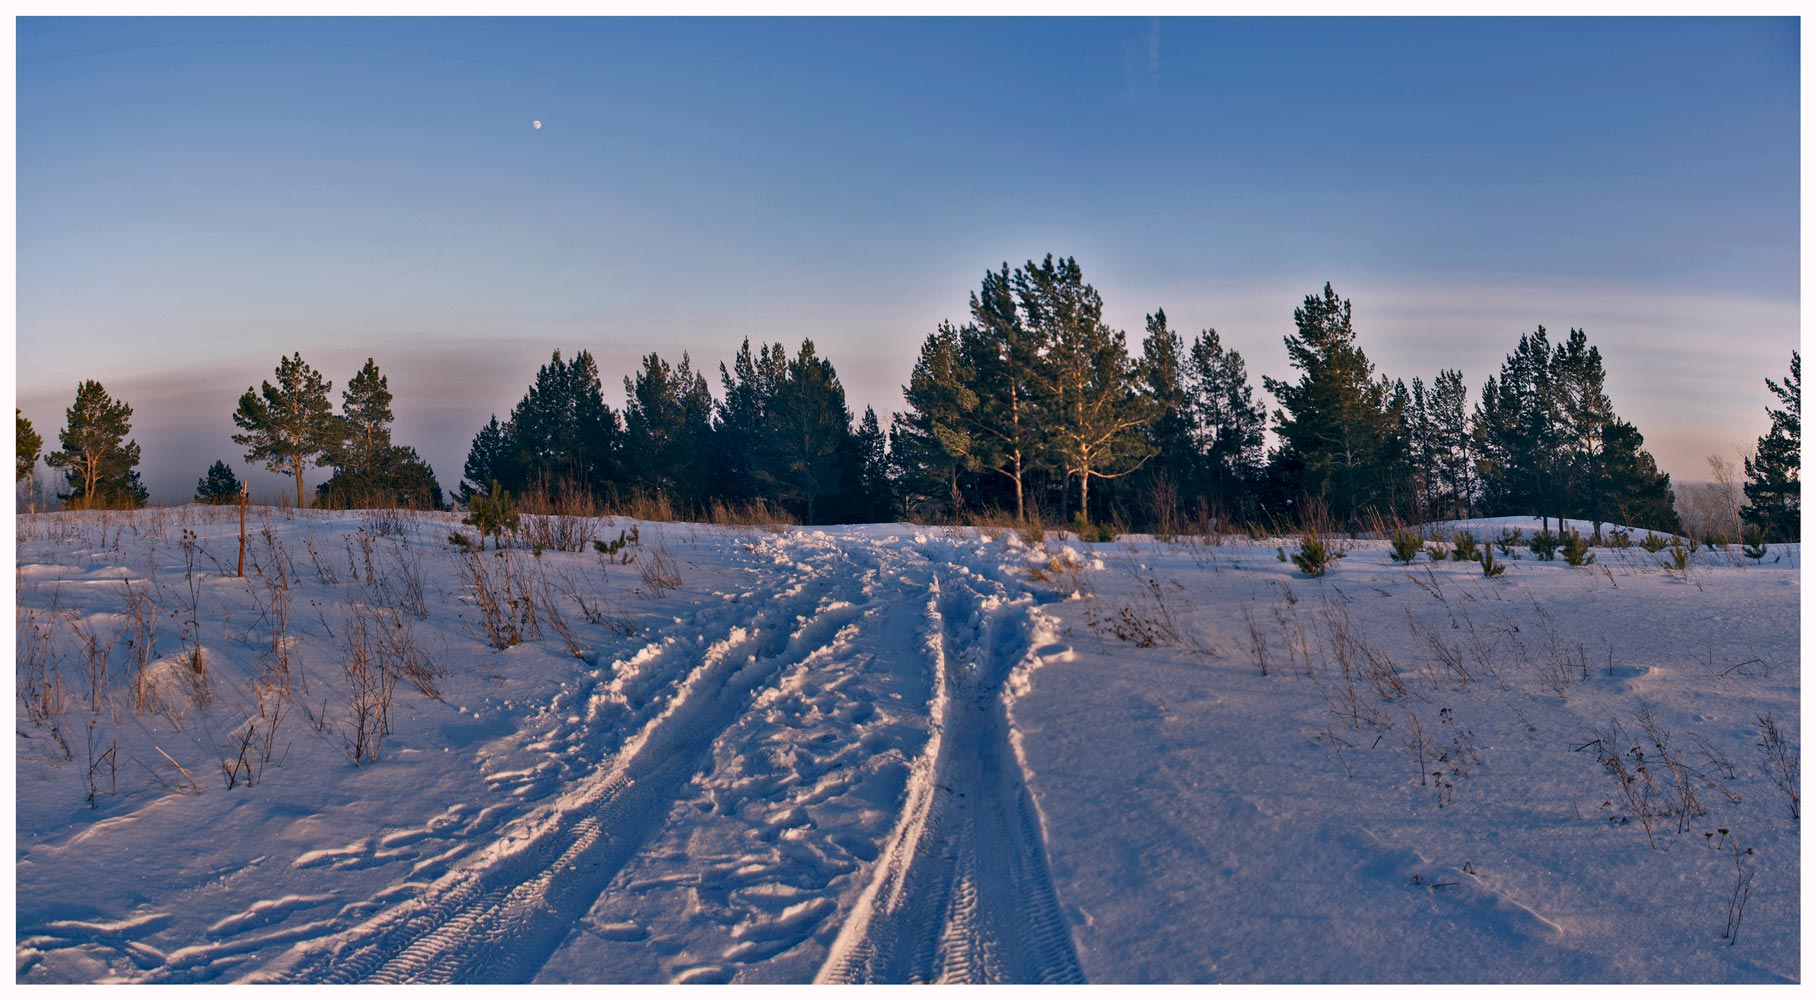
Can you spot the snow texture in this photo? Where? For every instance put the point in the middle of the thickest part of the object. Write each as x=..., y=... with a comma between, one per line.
x=891, y=753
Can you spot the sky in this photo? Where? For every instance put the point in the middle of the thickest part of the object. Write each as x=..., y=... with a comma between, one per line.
x=199, y=197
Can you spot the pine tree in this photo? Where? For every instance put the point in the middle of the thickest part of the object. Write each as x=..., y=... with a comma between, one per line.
x=1338, y=427
x=1093, y=415
x=30, y=446
x=1417, y=428
x=1228, y=427
x=1452, y=457
x=751, y=386
x=490, y=459
x=876, y=492
x=807, y=458
x=668, y=430
x=1773, y=473
x=1634, y=491
x=1174, y=470
x=97, y=459
x=365, y=420
x=932, y=441
x=1519, y=434
x=1002, y=351
x=1585, y=413
x=289, y=425
x=219, y=486
x=566, y=440
x=395, y=477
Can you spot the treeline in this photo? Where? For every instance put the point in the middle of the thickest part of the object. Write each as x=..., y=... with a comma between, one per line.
x=1032, y=408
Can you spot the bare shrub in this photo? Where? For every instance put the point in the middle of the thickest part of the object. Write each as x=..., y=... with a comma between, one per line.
x=658, y=570
x=370, y=689
x=502, y=594
x=1780, y=761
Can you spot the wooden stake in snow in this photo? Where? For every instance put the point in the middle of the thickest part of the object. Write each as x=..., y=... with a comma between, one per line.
x=242, y=571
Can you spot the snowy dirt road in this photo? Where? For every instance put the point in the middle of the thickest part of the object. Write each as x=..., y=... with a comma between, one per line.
x=959, y=893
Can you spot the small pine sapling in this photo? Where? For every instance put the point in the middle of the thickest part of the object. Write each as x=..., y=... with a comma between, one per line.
x=1508, y=539
x=1652, y=543
x=614, y=551
x=1313, y=557
x=1544, y=545
x=1438, y=551
x=1677, y=555
x=1405, y=546
x=1576, y=550
x=1491, y=568
x=1467, y=549
x=493, y=514
x=1619, y=539
x=1754, y=543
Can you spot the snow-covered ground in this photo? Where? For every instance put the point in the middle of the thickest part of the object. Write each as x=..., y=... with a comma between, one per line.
x=889, y=753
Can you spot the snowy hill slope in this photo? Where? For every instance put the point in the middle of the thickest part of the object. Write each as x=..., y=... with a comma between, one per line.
x=887, y=753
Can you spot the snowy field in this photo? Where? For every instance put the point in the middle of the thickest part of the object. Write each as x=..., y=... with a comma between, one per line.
x=890, y=753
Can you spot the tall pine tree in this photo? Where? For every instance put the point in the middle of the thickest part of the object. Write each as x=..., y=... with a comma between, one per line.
x=807, y=462
x=1174, y=470
x=1228, y=427
x=1004, y=352
x=932, y=440
x=291, y=424
x=1093, y=414
x=97, y=459
x=668, y=430
x=1339, y=430
x=1773, y=473
x=30, y=446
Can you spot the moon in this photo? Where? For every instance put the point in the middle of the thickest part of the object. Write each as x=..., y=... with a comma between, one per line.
x=536, y=124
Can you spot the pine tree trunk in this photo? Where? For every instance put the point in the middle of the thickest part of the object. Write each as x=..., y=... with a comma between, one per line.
x=1020, y=510
x=298, y=466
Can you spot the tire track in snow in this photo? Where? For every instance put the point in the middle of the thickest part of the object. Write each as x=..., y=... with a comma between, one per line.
x=498, y=919
x=962, y=892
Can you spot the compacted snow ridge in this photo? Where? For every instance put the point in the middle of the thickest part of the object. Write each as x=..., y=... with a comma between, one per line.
x=963, y=893
x=892, y=754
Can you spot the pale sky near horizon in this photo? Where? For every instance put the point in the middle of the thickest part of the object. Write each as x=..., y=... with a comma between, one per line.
x=197, y=197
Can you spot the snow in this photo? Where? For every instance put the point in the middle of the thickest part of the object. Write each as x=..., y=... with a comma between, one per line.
x=893, y=753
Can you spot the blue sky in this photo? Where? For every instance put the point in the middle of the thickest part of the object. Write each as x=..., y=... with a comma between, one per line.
x=198, y=196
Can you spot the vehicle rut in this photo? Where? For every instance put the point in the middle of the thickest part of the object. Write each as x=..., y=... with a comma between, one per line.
x=963, y=894
x=499, y=920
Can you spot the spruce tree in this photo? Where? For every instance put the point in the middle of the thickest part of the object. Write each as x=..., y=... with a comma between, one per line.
x=30, y=446
x=291, y=424
x=1773, y=473
x=1339, y=430
x=218, y=486
x=96, y=458
x=932, y=441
